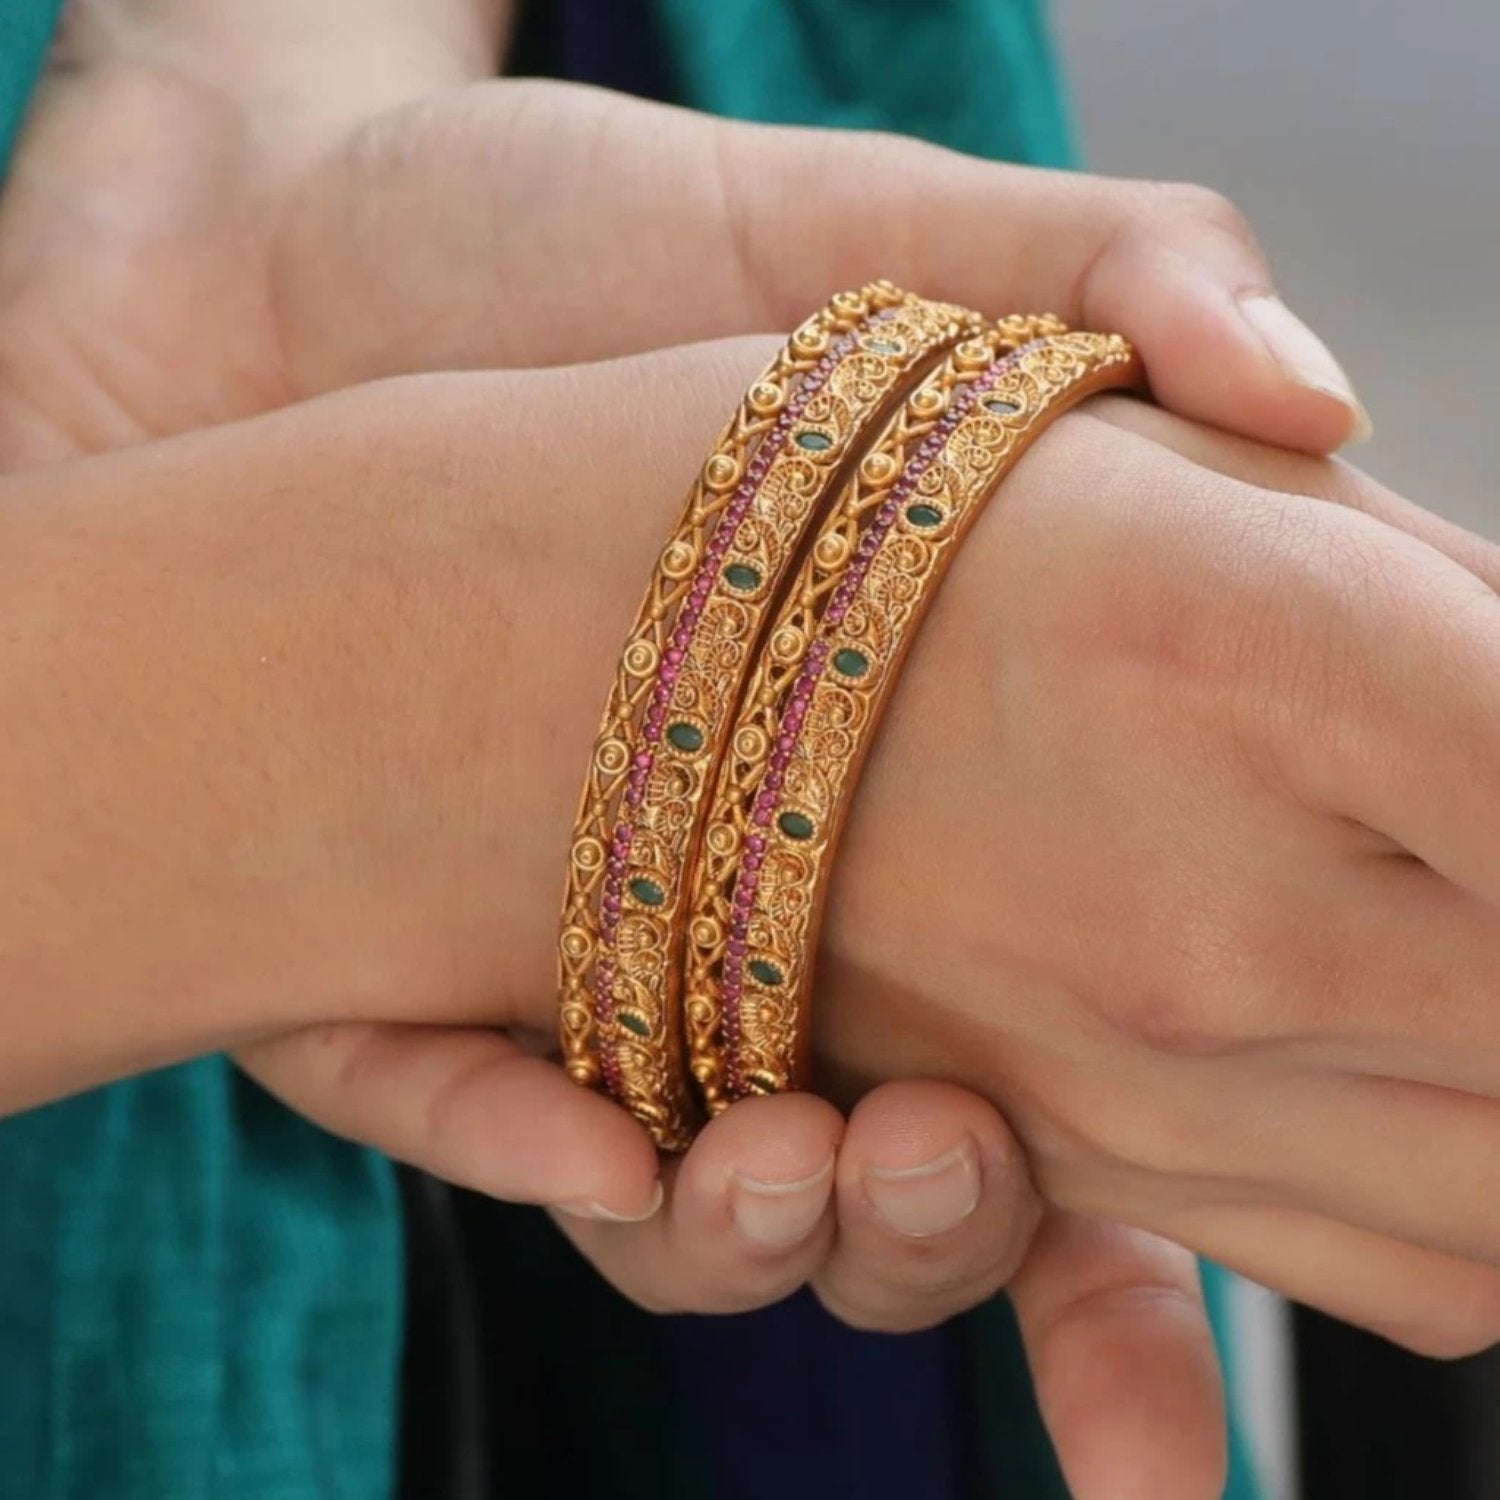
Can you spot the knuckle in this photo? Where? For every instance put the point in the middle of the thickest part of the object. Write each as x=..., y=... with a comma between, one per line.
x=1185, y=987
x=1195, y=204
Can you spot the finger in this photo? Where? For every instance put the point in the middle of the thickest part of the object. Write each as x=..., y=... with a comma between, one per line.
x=748, y=1215
x=1300, y=474
x=758, y=225
x=1406, y=1160
x=1124, y=1363
x=1399, y=723
x=1354, y=663
x=935, y=1209
x=1431, y=1303
x=466, y=1105
x=1417, y=961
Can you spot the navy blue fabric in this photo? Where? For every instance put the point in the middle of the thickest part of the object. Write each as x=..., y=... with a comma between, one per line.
x=615, y=44
x=812, y=1409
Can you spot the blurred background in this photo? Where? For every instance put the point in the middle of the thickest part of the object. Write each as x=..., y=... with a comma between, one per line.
x=1363, y=141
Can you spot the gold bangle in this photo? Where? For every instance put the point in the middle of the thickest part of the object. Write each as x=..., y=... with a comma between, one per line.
x=680, y=678
x=810, y=711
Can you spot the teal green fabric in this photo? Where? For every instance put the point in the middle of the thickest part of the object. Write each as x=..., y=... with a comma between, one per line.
x=25, y=31
x=978, y=75
x=200, y=1299
x=200, y=1293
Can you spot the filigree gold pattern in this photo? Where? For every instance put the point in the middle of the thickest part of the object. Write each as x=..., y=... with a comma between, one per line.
x=799, y=428
x=810, y=709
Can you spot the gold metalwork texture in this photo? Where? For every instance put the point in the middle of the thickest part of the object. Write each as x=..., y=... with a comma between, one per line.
x=811, y=708
x=680, y=677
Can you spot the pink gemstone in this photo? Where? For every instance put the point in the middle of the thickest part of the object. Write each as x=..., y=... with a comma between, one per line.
x=762, y=817
x=643, y=759
x=755, y=843
x=775, y=779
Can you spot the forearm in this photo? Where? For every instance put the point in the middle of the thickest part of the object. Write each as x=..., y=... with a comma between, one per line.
x=297, y=709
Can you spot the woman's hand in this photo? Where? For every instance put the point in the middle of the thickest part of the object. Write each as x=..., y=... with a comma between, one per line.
x=1201, y=748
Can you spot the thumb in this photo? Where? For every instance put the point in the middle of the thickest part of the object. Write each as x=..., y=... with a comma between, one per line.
x=1173, y=267
x=467, y=1105
x=536, y=223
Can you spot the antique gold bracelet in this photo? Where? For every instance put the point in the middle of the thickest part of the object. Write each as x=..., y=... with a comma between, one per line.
x=832, y=656
x=681, y=675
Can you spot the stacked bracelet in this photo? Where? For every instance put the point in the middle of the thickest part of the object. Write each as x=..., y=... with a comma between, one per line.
x=749, y=688
x=811, y=710
x=680, y=678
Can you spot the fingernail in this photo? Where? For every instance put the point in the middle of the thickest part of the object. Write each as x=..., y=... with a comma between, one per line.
x=1304, y=356
x=778, y=1215
x=590, y=1208
x=920, y=1202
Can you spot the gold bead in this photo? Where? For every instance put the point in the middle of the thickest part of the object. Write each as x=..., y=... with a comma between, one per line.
x=641, y=659
x=973, y=354
x=809, y=340
x=612, y=757
x=926, y=403
x=721, y=473
x=878, y=468
x=679, y=560
x=576, y=944
x=832, y=551
x=750, y=743
x=766, y=398
x=588, y=854
x=787, y=643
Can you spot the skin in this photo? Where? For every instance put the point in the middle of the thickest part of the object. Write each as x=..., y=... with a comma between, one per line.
x=1168, y=266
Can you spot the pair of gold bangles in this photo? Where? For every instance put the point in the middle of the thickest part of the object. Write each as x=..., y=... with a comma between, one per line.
x=751, y=684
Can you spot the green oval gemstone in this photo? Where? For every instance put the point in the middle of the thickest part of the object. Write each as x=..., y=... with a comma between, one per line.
x=883, y=346
x=1000, y=407
x=647, y=891
x=813, y=442
x=763, y=971
x=795, y=825
x=686, y=736
x=632, y=1022
x=742, y=576
x=762, y=1083
x=850, y=662
x=925, y=516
